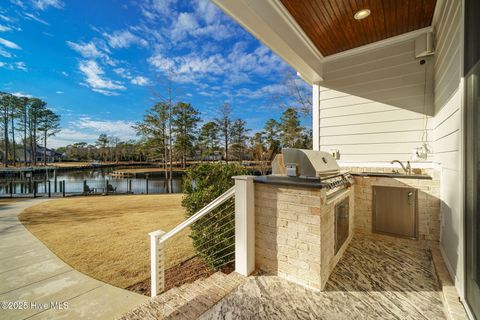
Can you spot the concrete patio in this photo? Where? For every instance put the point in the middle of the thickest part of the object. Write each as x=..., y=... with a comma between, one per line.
x=30, y=272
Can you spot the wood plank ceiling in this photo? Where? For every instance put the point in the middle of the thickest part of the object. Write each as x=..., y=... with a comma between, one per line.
x=331, y=26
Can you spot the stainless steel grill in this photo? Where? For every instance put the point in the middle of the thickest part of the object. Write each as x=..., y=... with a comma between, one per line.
x=315, y=166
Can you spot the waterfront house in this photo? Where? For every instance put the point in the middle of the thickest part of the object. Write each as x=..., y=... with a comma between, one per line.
x=51, y=155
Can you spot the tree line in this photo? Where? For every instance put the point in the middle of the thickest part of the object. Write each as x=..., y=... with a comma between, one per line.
x=105, y=148
x=29, y=121
x=172, y=133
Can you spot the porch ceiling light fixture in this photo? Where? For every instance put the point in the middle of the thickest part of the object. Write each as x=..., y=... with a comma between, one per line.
x=362, y=14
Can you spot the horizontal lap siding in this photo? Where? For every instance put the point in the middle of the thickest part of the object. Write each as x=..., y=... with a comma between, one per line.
x=389, y=74
x=372, y=104
x=447, y=130
x=367, y=131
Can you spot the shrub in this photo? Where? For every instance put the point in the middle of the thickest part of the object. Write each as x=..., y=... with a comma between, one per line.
x=213, y=235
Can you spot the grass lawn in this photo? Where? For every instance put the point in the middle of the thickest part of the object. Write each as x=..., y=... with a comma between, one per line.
x=107, y=237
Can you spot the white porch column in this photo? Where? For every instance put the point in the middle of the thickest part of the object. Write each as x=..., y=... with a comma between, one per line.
x=316, y=116
x=244, y=225
x=157, y=263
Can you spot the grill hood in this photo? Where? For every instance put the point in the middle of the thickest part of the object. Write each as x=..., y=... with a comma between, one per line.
x=305, y=163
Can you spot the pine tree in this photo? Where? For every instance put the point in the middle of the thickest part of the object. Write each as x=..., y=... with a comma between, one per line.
x=272, y=137
x=290, y=129
x=239, y=137
x=185, y=121
x=49, y=125
x=208, y=139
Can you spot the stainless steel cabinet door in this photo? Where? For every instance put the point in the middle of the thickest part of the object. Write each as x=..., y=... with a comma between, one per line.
x=395, y=211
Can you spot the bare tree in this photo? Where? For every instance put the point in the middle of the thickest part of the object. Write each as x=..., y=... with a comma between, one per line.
x=153, y=128
x=298, y=94
x=167, y=95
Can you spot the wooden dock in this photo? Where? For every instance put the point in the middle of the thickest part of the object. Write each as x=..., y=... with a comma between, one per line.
x=133, y=172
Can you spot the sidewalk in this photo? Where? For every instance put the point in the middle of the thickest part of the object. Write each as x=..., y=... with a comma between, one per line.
x=31, y=273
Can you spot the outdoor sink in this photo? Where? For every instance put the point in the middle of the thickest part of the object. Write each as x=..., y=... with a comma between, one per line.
x=392, y=175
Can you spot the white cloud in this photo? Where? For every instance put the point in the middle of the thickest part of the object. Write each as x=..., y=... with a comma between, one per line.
x=260, y=61
x=124, y=73
x=45, y=4
x=86, y=50
x=35, y=18
x=65, y=73
x=206, y=93
x=9, y=44
x=124, y=39
x=207, y=10
x=22, y=94
x=189, y=68
x=94, y=77
x=2, y=64
x=268, y=90
x=237, y=66
x=18, y=3
x=59, y=92
x=20, y=65
x=119, y=128
x=70, y=136
x=154, y=8
x=5, y=18
x=137, y=80
x=5, y=53
x=203, y=19
x=87, y=130
x=185, y=23
x=140, y=81
x=106, y=92
x=4, y=28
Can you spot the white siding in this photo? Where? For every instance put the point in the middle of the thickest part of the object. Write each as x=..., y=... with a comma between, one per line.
x=389, y=74
x=448, y=132
x=368, y=131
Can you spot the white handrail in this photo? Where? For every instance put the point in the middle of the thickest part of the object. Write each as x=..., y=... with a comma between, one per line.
x=205, y=210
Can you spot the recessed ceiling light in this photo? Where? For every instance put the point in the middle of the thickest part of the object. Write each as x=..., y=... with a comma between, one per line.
x=362, y=14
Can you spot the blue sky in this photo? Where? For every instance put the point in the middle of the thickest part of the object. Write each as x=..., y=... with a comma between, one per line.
x=101, y=64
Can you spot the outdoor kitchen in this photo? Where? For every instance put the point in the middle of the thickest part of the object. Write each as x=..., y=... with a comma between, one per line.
x=308, y=210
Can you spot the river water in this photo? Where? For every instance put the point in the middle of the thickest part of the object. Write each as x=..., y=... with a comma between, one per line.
x=91, y=181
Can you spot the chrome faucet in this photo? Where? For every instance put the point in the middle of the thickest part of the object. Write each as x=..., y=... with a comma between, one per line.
x=407, y=168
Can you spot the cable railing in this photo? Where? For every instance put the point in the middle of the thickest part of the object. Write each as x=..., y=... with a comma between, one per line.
x=212, y=234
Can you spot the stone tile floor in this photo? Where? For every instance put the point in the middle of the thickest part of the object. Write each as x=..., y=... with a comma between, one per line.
x=376, y=279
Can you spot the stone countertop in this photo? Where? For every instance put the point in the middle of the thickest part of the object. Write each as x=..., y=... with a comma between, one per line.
x=313, y=183
x=392, y=175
